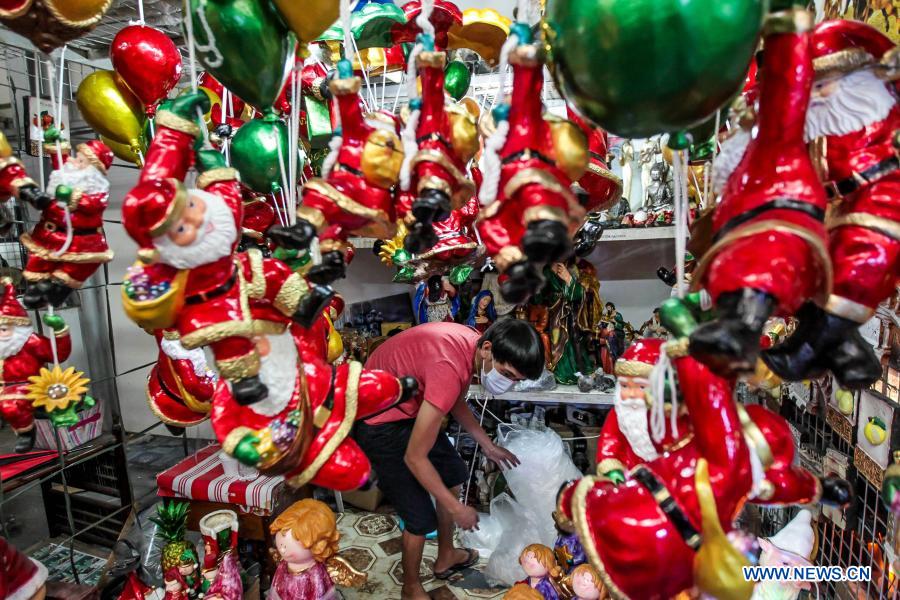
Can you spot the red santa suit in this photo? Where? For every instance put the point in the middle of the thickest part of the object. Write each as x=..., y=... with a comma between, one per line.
x=180, y=386
x=303, y=434
x=21, y=356
x=534, y=214
x=603, y=187
x=768, y=254
x=446, y=134
x=852, y=121
x=88, y=248
x=219, y=293
x=12, y=177
x=444, y=16
x=21, y=578
x=354, y=195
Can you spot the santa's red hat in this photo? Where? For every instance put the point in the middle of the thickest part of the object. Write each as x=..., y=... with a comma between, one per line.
x=98, y=154
x=11, y=312
x=150, y=209
x=841, y=46
x=20, y=577
x=640, y=358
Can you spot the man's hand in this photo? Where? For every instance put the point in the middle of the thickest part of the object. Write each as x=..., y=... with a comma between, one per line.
x=502, y=457
x=465, y=516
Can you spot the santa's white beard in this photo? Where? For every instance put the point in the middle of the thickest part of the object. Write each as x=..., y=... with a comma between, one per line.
x=631, y=416
x=278, y=371
x=729, y=157
x=860, y=100
x=209, y=246
x=88, y=179
x=176, y=351
x=14, y=344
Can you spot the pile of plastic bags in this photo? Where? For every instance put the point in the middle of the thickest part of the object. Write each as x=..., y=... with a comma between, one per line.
x=526, y=517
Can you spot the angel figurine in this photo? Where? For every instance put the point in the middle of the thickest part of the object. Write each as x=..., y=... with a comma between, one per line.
x=306, y=541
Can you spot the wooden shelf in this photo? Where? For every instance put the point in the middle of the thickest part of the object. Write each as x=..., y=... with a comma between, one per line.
x=563, y=394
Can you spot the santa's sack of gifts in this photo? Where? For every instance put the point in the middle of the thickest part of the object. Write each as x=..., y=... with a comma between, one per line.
x=153, y=295
x=88, y=427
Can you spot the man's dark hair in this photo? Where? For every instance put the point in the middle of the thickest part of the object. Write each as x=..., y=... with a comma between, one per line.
x=518, y=344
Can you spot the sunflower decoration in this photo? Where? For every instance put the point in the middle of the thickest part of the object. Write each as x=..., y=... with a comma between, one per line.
x=60, y=393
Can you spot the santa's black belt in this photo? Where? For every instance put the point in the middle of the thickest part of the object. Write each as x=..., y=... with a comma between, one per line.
x=527, y=154
x=50, y=226
x=213, y=293
x=870, y=175
x=780, y=204
x=165, y=388
x=349, y=169
x=668, y=505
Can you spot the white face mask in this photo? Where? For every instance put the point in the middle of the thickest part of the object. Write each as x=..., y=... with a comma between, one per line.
x=495, y=383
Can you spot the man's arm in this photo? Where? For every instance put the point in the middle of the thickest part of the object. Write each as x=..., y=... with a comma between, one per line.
x=463, y=415
x=424, y=435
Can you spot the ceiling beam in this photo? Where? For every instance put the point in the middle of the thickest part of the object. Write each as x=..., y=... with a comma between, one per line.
x=17, y=41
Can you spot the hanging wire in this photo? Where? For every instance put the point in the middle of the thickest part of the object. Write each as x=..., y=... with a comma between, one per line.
x=140, y=7
x=57, y=108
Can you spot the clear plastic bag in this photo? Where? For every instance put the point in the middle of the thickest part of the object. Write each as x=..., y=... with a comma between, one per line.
x=528, y=517
x=542, y=384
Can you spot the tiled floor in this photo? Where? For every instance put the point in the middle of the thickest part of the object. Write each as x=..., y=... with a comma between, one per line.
x=371, y=542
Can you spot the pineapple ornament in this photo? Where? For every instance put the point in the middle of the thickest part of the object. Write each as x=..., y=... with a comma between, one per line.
x=179, y=556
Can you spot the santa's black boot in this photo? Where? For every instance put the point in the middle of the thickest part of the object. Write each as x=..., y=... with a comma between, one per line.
x=58, y=293
x=836, y=491
x=249, y=390
x=824, y=341
x=25, y=440
x=431, y=206
x=854, y=363
x=730, y=344
x=587, y=237
x=298, y=236
x=311, y=306
x=329, y=270
x=546, y=241
x=523, y=280
x=36, y=294
x=419, y=238
x=175, y=430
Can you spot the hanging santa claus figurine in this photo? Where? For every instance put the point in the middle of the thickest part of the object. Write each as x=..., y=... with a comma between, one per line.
x=68, y=244
x=22, y=354
x=354, y=196
x=769, y=254
x=15, y=183
x=440, y=139
x=529, y=214
x=21, y=577
x=301, y=429
x=180, y=385
x=853, y=119
x=648, y=536
x=192, y=235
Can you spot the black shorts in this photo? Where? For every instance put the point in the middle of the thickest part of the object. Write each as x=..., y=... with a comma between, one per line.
x=385, y=445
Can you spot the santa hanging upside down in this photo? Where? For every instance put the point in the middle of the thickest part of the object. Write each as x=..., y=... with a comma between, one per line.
x=68, y=244
x=192, y=234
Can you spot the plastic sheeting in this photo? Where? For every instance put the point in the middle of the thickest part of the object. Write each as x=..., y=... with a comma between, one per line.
x=526, y=517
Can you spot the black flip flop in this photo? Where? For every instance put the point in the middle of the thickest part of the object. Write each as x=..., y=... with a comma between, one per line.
x=469, y=562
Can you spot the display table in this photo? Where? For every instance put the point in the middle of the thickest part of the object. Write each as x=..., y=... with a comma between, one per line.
x=563, y=394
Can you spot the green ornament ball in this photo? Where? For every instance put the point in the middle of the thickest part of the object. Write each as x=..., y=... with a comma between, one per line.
x=255, y=153
x=642, y=67
x=457, y=79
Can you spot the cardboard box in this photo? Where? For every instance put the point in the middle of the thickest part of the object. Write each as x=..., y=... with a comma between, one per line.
x=367, y=500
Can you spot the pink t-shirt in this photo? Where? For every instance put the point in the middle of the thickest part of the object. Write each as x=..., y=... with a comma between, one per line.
x=440, y=356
